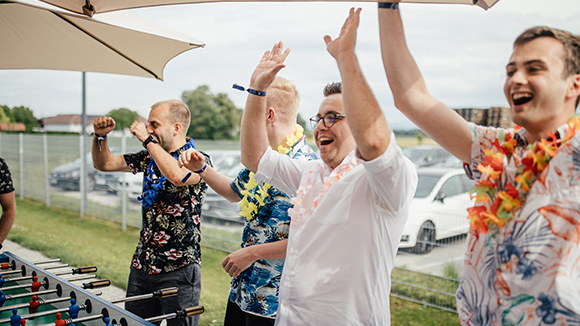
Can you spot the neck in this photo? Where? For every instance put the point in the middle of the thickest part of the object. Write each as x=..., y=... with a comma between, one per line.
x=278, y=137
x=177, y=143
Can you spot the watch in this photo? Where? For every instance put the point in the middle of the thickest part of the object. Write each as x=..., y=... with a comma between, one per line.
x=148, y=140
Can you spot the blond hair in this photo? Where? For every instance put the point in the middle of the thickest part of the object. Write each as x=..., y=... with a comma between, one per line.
x=283, y=96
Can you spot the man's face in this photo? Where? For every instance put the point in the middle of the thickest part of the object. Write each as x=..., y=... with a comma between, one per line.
x=337, y=141
x=161, y=127
x=535, y=87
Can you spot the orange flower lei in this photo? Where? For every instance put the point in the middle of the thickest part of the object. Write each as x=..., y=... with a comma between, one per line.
x=496, y=203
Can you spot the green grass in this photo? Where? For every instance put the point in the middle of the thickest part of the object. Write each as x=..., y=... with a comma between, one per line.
x=60, y=233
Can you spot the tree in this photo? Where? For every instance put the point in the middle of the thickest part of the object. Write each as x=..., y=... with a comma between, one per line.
x=123, y=117
x=4, y=118
x=212, y=116
x=24, y=115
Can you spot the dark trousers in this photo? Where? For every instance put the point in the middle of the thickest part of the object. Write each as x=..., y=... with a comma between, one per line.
x=187, y=279
x=237, y=317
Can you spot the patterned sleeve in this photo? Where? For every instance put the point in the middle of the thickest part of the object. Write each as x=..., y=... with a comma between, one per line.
x=6, y=185
x=241, y=179
x=136, y=161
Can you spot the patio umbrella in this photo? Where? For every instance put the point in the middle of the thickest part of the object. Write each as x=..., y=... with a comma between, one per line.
x=35, y=35
x=90, y=7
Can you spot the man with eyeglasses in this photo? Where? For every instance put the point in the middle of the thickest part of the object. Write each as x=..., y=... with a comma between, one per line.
x=350, y=206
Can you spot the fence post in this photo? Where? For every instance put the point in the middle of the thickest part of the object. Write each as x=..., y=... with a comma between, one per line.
x=123, y=187
x=21, y=154
x=46, y=175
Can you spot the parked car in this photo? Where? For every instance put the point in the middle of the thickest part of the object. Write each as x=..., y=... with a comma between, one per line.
x=133, y=185
x=439, y=208
x=426, y=155
x=215, y=207
x=67, y=176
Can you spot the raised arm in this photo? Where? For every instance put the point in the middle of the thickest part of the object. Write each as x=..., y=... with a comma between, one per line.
x=254, y=136
x=195, y=161
x=410, y=93
x=365, y=118
x=166, y=163
x=103, y=160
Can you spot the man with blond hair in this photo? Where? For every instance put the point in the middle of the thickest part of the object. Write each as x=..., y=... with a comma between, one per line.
x=523, y=247
x=257, y=266
x=168, y=253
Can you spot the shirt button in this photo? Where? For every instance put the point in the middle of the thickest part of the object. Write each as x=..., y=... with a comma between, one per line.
x=293, y=252
x=285, y=304
x=288, y=279
x=301, y=228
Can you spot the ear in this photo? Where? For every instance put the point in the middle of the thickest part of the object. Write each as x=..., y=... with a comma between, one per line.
x=176, y=128
x=271, y=115
x=574, y=86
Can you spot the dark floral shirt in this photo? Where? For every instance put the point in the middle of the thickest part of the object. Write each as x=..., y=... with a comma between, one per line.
x=6, y=185
x=170, y=234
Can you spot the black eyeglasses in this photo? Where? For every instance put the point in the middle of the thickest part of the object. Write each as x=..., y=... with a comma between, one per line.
x=328, y=120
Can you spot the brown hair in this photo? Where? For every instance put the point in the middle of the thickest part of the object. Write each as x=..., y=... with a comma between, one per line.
x=332, y=88
x=570, y=41
x=178, y=113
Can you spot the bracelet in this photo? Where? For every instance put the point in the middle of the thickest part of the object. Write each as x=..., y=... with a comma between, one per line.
x=249, y=90
x=202, y=169
x=255, y=92
x=389, y=5
x=99, y=138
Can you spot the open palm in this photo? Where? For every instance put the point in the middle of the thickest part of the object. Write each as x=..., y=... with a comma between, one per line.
x=271, y=63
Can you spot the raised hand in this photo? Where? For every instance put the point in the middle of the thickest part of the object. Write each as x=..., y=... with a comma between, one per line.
x=346, y=41
x=271, y=63
x=102, y=126
x=192, y=160
x=139, y=130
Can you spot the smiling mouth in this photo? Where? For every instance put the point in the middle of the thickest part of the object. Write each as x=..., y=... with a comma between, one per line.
x=522, y=98
x=325, y=140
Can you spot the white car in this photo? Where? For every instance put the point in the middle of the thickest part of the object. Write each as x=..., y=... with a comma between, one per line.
x=439, y=208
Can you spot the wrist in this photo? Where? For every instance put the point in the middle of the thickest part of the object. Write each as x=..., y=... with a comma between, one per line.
x=100, y=137
x=202, y=169
x=389, y=5
x=148, y=140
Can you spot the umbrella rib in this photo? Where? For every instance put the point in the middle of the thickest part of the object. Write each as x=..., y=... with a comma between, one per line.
x=107, y=45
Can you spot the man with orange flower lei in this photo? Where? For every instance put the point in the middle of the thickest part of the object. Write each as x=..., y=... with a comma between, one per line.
x=257, y=266
x=523, y=248
x=350, y=207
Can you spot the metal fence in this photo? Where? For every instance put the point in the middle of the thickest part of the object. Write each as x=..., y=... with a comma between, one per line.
x=427, y=269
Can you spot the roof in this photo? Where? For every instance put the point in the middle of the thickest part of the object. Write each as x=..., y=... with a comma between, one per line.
x=67, y=119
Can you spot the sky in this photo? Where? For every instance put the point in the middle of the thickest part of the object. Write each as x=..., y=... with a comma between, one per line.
x=461, y=50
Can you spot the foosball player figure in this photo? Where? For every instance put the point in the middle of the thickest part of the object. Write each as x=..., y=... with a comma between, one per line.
x=15, y=318
x=33, y=305
x=2, y=298
x=35, y=284
x=107, y=321
x=73, y=309
x=22, y=322
x=59, y=322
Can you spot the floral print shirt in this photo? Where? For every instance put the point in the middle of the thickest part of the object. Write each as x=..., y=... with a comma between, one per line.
x=6, y=185
x=256, y=289
x=170, y=234
x=526, y=272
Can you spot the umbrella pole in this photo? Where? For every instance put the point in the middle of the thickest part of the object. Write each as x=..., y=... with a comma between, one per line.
x=83, y=183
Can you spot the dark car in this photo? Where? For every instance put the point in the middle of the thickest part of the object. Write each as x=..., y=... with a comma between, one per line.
x=67, y=176
x=426, y=155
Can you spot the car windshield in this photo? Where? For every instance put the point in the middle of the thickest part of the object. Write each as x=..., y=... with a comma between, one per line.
x=415, y=155
x=425, y=184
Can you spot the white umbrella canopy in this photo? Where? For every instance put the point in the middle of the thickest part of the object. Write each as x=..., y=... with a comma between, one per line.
x=34, y=35
x=90, y=7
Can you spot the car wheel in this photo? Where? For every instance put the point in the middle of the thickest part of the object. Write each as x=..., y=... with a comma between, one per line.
x=425, y=238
